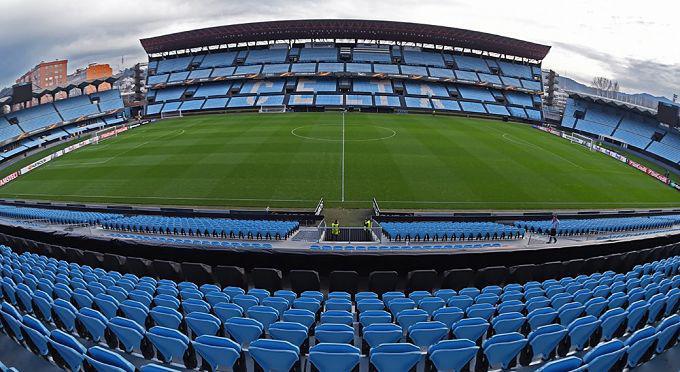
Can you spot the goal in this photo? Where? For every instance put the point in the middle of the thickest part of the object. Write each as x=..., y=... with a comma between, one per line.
x=272, y=109
x=581, y=140
x=172, y=114
x=109, y=132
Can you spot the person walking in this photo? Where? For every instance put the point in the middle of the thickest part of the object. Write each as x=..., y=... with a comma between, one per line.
x=554, y=225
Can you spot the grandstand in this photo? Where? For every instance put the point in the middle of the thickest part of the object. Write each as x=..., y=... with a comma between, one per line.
x=29, y=128
x=635, y=127
x=344, y=68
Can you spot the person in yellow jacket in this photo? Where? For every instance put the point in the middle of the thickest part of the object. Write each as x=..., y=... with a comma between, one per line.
x=368, y=224
x=335, y=230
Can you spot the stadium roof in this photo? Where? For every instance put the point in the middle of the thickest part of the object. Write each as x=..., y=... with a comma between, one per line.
x=613, y=102
x=345, y=29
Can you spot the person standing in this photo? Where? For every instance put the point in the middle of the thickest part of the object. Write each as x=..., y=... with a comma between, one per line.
x=368, y=224
x=554, y=225
x=335, y=230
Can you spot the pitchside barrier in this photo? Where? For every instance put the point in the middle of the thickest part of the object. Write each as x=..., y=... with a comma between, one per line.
x=589, y=142
x=99, y=136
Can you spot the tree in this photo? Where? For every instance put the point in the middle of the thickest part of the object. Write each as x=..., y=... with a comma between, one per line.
x=605, y=87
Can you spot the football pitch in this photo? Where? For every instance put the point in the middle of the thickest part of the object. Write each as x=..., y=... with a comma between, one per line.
x=293, y=160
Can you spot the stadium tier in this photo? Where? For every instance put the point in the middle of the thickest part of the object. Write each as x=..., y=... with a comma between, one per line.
x=82, y=317
x=407, y=77
x=633, y=126
x=25, y=129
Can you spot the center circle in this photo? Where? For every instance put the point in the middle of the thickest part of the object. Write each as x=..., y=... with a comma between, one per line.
x=333, y=132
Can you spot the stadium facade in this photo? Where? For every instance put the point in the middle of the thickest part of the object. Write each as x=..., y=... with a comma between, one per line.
x=309, y=65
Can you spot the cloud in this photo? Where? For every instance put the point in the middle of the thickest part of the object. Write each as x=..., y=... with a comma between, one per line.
x=606, y=37
x=633, y=74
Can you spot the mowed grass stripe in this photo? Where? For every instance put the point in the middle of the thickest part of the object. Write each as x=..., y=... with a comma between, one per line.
x=430, y=163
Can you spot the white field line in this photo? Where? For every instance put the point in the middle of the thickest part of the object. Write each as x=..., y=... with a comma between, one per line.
x=342, y=188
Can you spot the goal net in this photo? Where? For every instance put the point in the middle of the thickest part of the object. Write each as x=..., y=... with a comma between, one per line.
x=272, y=109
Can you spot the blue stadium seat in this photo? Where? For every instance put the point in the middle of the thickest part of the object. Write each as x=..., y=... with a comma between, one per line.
x=502, y=350
x=166, y=317
x=302, y=316
x=66, y=351
x=452, y=355
x=35, y=335
x=641, y=346
x=170, y=344
x=266, y=315
x=381, y=333
x=334, y=333
x=607, y=356
x=393, y=357
x=508, y=322
x=124, y=333
x=424, y=334
x=328, y=357
x=274, y=355
x=217, y=352
x=91, y=324
x=470, y=328
x=337, y=317
x=293, y=332
x=100, y=359
x=203, y=324
x=244, y=330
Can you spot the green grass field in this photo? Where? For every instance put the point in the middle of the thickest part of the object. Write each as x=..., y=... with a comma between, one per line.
x=292, y=160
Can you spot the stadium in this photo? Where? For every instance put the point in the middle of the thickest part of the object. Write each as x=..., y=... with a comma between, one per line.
x=337, y=195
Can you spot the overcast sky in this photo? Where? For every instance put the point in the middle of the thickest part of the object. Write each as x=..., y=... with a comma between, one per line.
x=634, y=42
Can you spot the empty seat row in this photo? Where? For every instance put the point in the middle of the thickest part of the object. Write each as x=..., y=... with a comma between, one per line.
x=598, y=225
x=446, y=231
x=502, y=349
